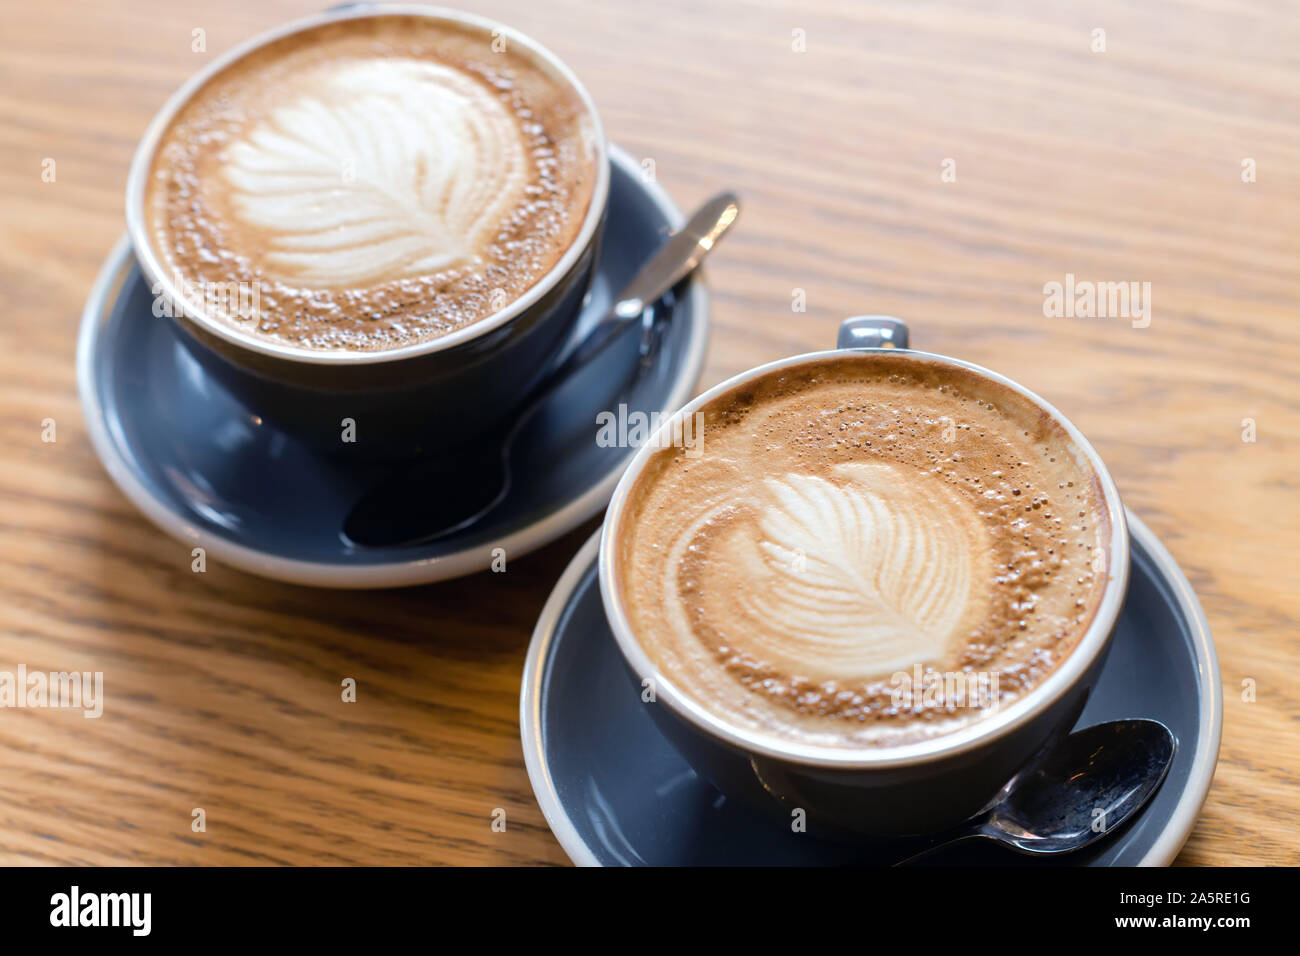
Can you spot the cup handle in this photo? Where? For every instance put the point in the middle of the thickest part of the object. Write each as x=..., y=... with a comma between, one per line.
x=872, y=332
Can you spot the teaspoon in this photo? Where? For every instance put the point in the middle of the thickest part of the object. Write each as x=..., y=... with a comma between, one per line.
x=452, y=488
x=1078, y=792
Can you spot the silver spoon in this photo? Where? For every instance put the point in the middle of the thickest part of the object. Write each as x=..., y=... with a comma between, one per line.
x=471, y=480
x=1078, y=792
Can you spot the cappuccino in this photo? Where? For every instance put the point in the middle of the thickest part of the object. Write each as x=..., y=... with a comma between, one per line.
x=380, y=181
x=873, y=550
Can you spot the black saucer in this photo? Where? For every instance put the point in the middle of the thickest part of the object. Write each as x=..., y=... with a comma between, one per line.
x=207, y=471
x=616, y=793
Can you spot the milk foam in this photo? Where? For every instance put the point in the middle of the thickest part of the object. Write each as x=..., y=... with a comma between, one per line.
x=379, y=169
x=851, y=520
x=863, y=571
x=380, y=181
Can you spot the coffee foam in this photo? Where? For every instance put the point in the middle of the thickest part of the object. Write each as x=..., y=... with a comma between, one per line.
x=851, y=519
x=382, y=181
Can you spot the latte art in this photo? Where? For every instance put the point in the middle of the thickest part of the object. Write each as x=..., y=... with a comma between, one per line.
x=382, y=181
x=385, y=169
x=853, y=520
x=861, y=572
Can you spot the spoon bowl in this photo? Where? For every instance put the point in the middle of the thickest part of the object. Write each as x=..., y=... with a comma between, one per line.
x=1079, y=791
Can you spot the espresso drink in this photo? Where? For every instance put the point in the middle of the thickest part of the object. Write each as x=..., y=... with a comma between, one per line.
x=865, y=543
x=380, y=181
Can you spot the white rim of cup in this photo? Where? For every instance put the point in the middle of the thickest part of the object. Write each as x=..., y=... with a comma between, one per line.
x=977, y=733
x=157, y=275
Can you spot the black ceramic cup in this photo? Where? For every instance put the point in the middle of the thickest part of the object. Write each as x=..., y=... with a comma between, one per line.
x=875, y=792
x=395, y=402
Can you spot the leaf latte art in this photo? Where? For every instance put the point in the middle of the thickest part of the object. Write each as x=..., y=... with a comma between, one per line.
x=388, y=168
x=862, y=572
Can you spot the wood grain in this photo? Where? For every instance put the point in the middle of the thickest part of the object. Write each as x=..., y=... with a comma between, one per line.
x=223, y=690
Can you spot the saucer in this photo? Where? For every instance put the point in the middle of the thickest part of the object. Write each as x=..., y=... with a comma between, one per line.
x=201, y=467
x=615, y=793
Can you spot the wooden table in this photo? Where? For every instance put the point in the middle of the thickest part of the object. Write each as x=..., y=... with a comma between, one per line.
x=836, y=122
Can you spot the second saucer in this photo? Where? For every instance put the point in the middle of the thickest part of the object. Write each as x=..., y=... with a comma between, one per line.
x=208, y=472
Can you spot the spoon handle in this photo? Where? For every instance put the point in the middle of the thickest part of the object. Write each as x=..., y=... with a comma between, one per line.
x=679, y=255
x=669, y=264
x=961, y=834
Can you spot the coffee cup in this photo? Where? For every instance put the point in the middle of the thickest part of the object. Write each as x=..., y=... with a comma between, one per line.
x=375, y=226
x=875, y=585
